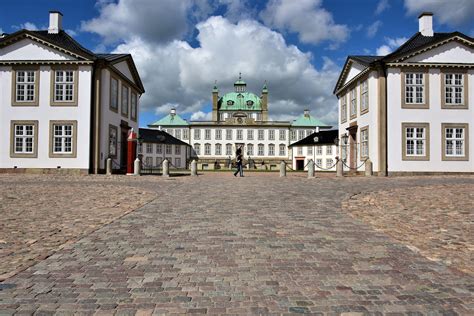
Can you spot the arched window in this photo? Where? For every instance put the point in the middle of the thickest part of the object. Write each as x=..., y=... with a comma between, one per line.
x=228, y=149
x=207, y=149
x=271, y=150
x=282, y=150
x=197, y=149
x=230, y=102
x=249, y=103
x=218, y=150
x=261, y=150
x=250, y=150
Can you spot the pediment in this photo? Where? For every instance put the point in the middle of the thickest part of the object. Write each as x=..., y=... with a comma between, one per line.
x=124, y=68
x=29, y=49
x=451, y=52
x=353, y=69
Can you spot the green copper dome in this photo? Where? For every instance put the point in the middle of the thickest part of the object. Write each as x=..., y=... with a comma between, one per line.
x=241, y=101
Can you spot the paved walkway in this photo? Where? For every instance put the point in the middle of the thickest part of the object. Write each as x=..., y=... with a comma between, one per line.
x=254, y=245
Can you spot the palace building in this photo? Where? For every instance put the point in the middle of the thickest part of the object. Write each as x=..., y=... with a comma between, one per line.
x=240, y=120
x=63, y=107
x=410, y=111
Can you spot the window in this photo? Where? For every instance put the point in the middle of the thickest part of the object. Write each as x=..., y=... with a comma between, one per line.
x=185, y=134
x=149, y=161
x=177, y=133
x=240, y=134
x=364, y=142
x=282, y=151
x=113, y=133
x=197, y=148
x=177, y=149
x=149, y=148
x=353, y=103
x=454, y=90
x=24, y=139
x=207, y=149
x=168, y=149
x=197, y=134
x=415, y=90
x=299, y=151
x=261, y=134
x=319, y=150
x=134, y=107
x=64, y=87
x=228, y=149
x=140, y=148
x=249, y=103
x=124, y=101
x=344, y=147
x=207, y=134
x=292, y=135
x=319, y=162
x=113, y=94
x=329, y=163
x=271, y=134
x=282, y=134
x=260, y=149
x=63, y=139
x=344, y=109
x=26, y=87
x=415, y=141
x=455, y=141
x=159, y=148
x=328, y=149
x=310, y=150
x=271, y=150
x=228, y=134
x=218, y=150
x=364, y=97
x=300, y=134
x=177, y=162
x=218, y=134
x=250, y=134
x=250, y=149
x=159, y=161
x=259, y=117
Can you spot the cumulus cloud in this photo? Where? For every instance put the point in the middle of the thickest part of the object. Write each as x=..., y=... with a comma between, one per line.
x=382, y=6
x=452, y=12
x=27, y=26
x=307, y=18
x=179, y=75
x=201, y=116
x=156, y=23
x=373, y=28
x=390, y=45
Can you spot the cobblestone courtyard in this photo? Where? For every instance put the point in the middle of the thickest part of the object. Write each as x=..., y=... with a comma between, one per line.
x=223, y=245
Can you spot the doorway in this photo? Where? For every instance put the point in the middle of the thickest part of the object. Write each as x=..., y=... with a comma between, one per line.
x=299, y=163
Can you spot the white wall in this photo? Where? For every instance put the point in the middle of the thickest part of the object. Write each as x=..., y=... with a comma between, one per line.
x=452, y=52
x=44, y=113
x=314, y=155
x=435, y=116
x=110, y=117
x=154, y=155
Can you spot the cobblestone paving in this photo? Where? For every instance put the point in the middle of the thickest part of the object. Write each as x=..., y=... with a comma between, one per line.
x=255, y=245
x=437, y=221
x=39, y=216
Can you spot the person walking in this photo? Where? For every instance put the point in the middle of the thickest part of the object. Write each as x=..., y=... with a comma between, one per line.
x=240, y=169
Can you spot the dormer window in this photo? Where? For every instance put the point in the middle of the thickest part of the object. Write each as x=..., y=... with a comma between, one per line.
x=249, y=103
x=240, y=96
x=230, y=102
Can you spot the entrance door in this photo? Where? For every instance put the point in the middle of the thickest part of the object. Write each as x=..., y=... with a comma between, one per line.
x=353, y=150
x=300, y=164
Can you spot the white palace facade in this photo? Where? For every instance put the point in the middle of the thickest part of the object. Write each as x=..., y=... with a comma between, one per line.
x=240, y=120
x=63, y=107
x=411, y=111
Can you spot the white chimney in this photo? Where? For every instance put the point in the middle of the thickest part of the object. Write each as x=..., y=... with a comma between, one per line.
x=317, y=129
x=425, y=21
x=55, y=22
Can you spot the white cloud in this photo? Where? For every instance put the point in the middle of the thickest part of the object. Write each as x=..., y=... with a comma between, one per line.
x=452, y=12
x=373, y=28
x=156, y=22
x=178, y=75
x=390, y=45
x=382, y=6
x=201, y=116
x=27, y=25
x=307, y=18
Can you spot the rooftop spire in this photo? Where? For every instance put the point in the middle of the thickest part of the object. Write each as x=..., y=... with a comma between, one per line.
x=240, y=85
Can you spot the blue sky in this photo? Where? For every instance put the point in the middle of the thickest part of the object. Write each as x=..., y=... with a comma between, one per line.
x=182, y=46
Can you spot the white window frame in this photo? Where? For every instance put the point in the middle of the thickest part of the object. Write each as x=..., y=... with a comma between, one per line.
x=414, y=88
x=27, y=84
x=64, y=86
x=261, y=150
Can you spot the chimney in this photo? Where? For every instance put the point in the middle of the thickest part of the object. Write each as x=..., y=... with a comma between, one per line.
x=55, y=22
x=425, y=21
